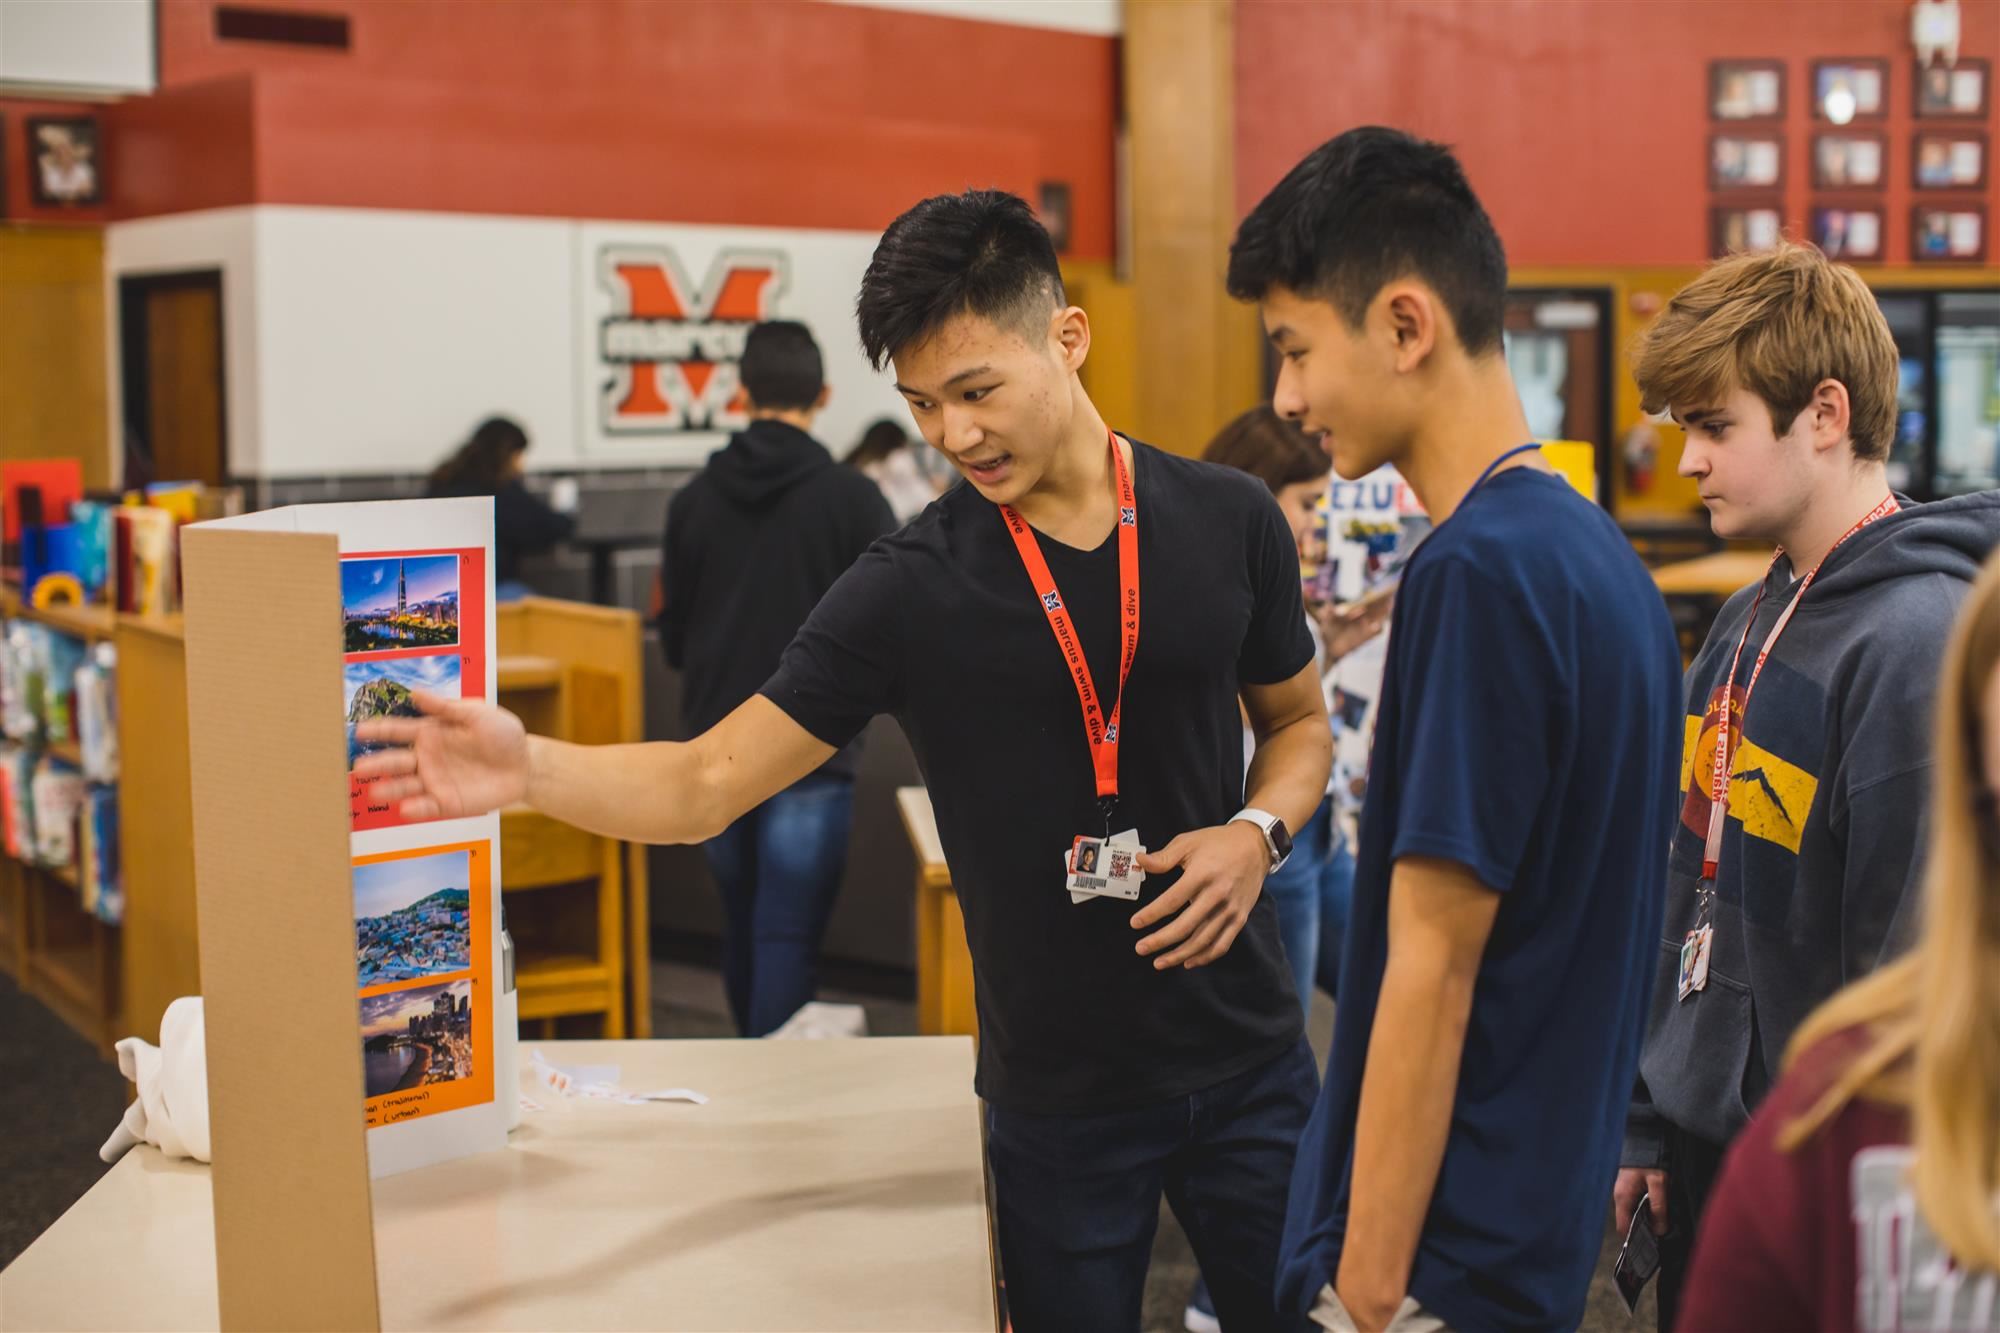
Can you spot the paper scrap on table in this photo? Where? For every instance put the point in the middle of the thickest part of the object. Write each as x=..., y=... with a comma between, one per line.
x=600, y=1083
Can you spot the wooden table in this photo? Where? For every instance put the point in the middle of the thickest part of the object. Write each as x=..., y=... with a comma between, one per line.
x=1717, y=576
x=944, y=964
x=828, y=1185
x=1696, y=589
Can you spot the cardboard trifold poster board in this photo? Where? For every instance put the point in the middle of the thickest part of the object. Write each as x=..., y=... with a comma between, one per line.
x=349, y=959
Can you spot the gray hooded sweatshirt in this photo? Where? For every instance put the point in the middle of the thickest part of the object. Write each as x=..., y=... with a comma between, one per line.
x=1817, y=883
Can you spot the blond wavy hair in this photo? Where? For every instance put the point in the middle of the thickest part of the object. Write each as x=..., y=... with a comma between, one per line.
x=1777, y=323
x=1932, y=1019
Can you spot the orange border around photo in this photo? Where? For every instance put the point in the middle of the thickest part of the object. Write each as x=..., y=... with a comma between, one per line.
x=437, y=1098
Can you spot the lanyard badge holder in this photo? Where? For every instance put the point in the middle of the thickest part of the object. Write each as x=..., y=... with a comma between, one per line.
x=1699, y=942
x=1105, y=866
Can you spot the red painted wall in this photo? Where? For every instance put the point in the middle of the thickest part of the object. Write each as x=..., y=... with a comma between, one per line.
x=183, y=148
x=778, y=113
x=1583, y=123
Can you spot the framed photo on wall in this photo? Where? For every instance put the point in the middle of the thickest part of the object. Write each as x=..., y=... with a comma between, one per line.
x=1745, y=229
x=1850, y=90
x=1746, y=161
x=1948, y=234
x=1746, y=89
x=63, y=165
x=1054, y=213
x=1949, y=160
x=1962, y=92
x=1849, y=160
x=1853, y=234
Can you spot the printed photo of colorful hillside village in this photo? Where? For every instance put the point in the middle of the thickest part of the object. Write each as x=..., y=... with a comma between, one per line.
x=386, y=686
x=413, y=1037
x=412, y=918
x=391, y=602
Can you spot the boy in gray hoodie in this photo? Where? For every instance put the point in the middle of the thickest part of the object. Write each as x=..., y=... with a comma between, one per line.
x=1794, y=863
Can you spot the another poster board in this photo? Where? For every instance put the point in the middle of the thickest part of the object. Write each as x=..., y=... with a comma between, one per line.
x=349, y=964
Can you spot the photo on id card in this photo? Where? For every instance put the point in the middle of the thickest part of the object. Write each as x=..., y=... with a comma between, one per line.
x=1086, y=865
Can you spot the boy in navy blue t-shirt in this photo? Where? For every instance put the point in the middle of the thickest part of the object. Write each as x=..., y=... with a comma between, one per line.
x=1511, y=864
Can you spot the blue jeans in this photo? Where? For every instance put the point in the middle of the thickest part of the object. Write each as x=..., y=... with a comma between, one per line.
x=778, y=868
x=1077, y=1199
x=1312, y=892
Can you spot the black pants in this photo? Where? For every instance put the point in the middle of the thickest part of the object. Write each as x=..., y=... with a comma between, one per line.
x=1077, y=1199
x=1692, y=1166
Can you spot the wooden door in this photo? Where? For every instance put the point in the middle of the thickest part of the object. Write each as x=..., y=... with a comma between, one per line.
x=175, y=411
x=184, y=383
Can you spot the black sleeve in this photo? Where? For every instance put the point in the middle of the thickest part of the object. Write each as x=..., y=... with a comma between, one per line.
x=846, y=663
x=874, y=519
x=1278, y=645
x=524, y=523
x=677, y=578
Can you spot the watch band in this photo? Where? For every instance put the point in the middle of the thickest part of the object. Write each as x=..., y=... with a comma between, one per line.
x=1277, y=838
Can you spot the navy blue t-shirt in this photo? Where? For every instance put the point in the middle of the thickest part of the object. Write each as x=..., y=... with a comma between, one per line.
x=1528, y=730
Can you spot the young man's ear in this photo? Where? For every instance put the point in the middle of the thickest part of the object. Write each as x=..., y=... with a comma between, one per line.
x=1829, y=415
x=1070, y=331
x=1409, y=314
x=825, y=393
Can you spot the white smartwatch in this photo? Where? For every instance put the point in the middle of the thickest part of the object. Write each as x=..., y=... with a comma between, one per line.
x=1277, y=838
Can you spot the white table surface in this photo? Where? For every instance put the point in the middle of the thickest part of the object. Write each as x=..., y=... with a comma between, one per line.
x=828, y=1185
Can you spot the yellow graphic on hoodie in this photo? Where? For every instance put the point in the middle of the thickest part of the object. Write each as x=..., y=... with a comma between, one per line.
x=1769, y=796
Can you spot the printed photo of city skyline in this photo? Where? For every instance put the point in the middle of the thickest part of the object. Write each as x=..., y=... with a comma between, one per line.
x=412, y=917
x=383, y=687
x=413, y=1037
x=391, y=602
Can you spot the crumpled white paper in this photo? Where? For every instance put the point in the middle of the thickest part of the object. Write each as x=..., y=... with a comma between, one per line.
x=600, y=1083
x=171, y=1110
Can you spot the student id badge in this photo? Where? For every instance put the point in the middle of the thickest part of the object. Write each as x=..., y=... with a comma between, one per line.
x=1694, y=960
x=1104, y=867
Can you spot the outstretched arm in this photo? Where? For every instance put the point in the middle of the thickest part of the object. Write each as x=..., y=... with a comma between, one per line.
x=466, y=758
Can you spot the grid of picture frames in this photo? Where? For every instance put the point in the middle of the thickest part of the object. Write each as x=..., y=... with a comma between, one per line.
x=1950, y=161
x=1849, y=160
x=1746, y=155
x=1850, y=157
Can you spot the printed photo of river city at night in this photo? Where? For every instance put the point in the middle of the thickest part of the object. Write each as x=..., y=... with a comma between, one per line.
x=410, y=1038
x=394, y=602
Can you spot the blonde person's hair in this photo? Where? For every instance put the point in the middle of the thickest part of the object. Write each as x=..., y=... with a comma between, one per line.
x=1778, y=324
x=1932, y=1019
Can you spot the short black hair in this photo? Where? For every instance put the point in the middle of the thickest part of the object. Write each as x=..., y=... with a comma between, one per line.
x=981, y=253
x=781, y=367
x=1364, y=209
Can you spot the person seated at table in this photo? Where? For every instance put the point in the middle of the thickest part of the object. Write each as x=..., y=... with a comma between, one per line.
x=524, y=524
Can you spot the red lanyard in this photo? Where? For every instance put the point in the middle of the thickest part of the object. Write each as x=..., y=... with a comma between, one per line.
x=1719, y=775
x=1103, y=736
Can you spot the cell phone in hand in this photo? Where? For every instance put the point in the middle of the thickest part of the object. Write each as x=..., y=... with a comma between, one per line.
x=1639, y=1258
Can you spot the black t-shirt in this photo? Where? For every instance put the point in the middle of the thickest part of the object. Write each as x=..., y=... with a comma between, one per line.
x=939, y=625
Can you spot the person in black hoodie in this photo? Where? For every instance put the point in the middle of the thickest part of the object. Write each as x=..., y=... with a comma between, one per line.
x=489, y=463
x=1796, y=856
x=752, y=544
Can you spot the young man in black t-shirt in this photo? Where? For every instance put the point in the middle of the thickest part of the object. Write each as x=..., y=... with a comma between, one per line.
x=1064, y=640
